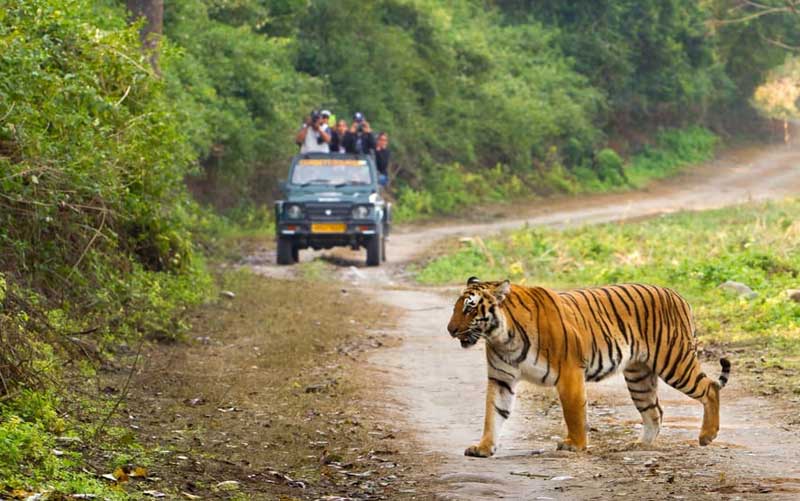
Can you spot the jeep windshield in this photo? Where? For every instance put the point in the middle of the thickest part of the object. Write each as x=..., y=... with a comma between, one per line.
x=331, y=172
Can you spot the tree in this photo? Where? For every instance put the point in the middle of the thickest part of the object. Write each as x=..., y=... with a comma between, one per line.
x=150, y=33
x=777, y=97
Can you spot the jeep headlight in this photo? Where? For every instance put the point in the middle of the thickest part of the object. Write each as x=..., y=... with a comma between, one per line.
x=360, y=212
x=294, y=211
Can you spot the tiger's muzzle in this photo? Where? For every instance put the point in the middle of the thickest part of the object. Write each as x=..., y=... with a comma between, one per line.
x=466, y=337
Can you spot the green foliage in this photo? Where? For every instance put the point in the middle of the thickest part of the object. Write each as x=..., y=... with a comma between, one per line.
x=95, y=241
x=29, y=425
x=237, y=91
x=692, y=253
x=447, y=189
x=673, y=150
x=652, y=59
x=92, y=158
x=24, y=450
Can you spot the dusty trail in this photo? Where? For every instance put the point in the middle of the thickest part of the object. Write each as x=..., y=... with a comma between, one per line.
x=439, y=388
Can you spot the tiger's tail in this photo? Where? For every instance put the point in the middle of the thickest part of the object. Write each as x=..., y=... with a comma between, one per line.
x=726, y=372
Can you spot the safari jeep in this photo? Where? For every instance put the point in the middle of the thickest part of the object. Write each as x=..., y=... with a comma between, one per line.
x=332, y=200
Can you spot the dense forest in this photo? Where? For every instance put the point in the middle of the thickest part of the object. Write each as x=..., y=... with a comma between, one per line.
x=119, y=160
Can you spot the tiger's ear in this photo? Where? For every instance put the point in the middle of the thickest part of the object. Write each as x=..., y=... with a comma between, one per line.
x=472, y=280
x=501, y=291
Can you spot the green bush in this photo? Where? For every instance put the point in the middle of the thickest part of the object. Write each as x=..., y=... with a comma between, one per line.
x=93, y=208
x=673, y=150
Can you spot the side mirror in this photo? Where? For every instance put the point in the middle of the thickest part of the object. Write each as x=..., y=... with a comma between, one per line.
x=283, y=185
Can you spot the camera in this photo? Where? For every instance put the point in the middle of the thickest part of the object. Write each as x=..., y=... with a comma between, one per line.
x=360, y=128
x=314, y=117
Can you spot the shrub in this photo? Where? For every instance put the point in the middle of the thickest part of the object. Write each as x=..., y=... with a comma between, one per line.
x=94, y=215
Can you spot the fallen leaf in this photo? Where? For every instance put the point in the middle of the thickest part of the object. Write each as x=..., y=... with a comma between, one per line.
x=138, y=472
x=120, y=475
x=228, y=485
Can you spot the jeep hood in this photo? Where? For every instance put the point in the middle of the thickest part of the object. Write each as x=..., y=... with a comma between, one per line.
x=360, y=194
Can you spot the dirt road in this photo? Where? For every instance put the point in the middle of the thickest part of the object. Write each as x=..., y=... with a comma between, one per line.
x=439, y=388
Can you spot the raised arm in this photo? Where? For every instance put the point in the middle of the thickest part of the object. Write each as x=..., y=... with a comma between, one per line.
x=301, y=134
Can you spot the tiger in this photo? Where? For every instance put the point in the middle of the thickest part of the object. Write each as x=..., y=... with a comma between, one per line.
x=567, y=338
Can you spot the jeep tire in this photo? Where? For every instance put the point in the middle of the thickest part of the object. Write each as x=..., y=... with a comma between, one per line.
x=285, y=251
x=374, y=250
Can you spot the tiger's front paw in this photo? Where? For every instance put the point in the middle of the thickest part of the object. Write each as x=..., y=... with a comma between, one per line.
x=479, y=451
x=570, y=445
x=707, y=437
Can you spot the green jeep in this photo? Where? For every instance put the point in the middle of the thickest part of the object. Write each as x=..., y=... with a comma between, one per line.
x=332, y=200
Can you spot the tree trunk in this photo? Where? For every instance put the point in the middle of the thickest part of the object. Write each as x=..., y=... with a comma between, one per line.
x=786, y=132
x=150, y=34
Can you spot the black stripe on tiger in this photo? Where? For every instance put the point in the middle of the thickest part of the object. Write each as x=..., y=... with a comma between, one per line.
x=502, y=384
x=502, y=412
x=726, y=372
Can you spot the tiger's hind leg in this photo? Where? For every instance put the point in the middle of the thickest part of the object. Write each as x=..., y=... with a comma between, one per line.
x=643, y=386
x=693, y=382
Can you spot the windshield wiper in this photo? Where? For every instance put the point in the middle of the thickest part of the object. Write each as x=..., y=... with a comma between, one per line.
x=315, y=181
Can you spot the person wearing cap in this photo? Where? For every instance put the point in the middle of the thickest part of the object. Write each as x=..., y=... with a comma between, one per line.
x=312, y=137
x=359, y=139
x=337, y=137
x=326, y=116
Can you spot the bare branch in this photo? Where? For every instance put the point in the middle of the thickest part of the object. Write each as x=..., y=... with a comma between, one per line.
x=780, y=44
x=755, y=15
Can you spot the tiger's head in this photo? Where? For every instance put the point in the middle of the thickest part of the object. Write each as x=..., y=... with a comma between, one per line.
x=476, y=312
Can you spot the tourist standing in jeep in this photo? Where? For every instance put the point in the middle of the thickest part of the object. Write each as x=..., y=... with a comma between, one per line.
x=359, y=139
x=337, y=137
x=312, y=136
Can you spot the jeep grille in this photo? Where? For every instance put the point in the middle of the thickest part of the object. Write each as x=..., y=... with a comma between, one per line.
x=319, y=212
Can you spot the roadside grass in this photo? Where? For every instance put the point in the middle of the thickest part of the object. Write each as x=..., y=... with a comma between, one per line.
x=271, y=392
x=693, y=253
x=675, y=149
x=236, y=235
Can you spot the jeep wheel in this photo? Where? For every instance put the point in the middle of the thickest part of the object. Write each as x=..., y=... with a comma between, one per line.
x=295, y=254
x=285, y=251
x=383, y=249
x=374, y=248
